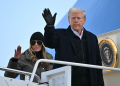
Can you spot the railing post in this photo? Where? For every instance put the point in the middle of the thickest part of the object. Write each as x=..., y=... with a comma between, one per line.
x=34, y=71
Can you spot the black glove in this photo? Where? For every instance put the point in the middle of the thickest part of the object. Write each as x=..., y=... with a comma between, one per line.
x=48, y=17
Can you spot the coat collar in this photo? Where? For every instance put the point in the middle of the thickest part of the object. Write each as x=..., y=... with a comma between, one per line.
x=27, y=54
x=69, y=35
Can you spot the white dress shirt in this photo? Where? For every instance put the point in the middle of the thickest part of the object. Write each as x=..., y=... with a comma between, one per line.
x=77, y=34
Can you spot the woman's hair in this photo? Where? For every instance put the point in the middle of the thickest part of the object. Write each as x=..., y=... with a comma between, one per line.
x=34, y=57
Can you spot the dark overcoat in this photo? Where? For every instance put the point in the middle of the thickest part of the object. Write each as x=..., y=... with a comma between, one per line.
x=65, y=50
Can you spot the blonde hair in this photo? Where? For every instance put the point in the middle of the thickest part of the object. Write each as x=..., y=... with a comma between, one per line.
x=73, y=10
x=34, y=58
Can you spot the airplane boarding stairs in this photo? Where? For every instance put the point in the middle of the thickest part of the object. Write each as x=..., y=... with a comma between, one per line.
x=57, y=77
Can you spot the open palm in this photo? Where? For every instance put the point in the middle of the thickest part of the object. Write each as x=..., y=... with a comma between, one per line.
x=18, y=53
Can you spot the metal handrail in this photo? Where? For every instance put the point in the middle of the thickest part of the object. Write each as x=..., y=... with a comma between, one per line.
x=20, y=72
x=67, y=63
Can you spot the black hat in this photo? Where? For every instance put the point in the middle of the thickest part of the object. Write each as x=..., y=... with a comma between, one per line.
x=37, y=36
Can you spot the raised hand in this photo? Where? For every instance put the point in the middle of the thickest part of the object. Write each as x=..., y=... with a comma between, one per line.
x=18, y=53
x=50, y=20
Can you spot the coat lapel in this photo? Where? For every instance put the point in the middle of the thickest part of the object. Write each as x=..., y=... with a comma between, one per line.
x=89, y=44
x=69, y=35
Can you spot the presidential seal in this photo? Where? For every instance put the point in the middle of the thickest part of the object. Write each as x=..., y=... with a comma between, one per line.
x=109, y=54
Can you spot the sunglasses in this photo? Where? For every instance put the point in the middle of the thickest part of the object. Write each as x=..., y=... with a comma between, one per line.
x=34, y=42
